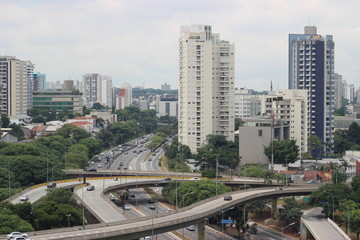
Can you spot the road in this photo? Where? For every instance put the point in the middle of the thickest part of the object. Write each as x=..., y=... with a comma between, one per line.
x=316, y=222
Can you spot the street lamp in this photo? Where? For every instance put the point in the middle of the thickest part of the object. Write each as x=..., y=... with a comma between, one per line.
x=68, y=218
x=282, y=229
x=333, y=204
x=217, y=172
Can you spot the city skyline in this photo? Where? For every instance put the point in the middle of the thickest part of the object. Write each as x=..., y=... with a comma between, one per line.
x=137, y=41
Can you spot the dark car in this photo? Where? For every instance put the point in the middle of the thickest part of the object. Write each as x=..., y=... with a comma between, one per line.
x=166, y=179
x=51, y=185
x=227, y=197
x=91, y=170
x=151, y=200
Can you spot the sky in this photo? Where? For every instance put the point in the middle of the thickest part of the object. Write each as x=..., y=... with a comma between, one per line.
x=136, y=41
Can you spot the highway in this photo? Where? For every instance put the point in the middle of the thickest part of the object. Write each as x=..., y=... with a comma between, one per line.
x=170, y=221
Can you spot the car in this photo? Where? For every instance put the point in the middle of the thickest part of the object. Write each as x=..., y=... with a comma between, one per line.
x=24, y=197
x=90, y=188
x=125, y=168
x=166, y=179
x=278, y=188
x=191, y=228
x=91, y=170
x=151, y=200
x=154, y=154
x=127, y=207
x=195, y=178
x=51, y=185
x=16, y=234
x=134, y=151
x=99, y=166
x=152, y=206
x=102, y=154
x=227, y=197
x=20, y=238
x=168, y=210
x=132, y=195
x=150, y=159
x=311, y=182
x=290, y=181
x=121, y=164
x=113, y=198
x=126, y=152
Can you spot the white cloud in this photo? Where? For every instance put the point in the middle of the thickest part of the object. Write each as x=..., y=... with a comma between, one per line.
x=137, y=41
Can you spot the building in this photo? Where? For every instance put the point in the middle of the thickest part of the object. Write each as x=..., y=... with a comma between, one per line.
x=338, y=91
x=311, y=67
x=351, y=93
x=291, y=106
x=255, y=134
x=122, y=98
x=206, y=89
x=68, y=85
x=96, y=88
x=39, y=82
x=246, y=103
x=167, y=105
x=165, y=87
x=16, y=83
x=58, y=101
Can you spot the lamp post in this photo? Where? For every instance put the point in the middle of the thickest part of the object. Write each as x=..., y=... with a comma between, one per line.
x=333, y=205
x=68, y=219
x=283, y=228
x=217, y=172
x=295, y=235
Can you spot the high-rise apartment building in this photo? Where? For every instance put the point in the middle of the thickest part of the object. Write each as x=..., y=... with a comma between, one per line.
x=206, y=89
x=68, y=85
x=246, y=103
x=16, y=85
x=351, y=93
x=338, y=91
x=311, y=67
x=96, y=88
x=39, y=82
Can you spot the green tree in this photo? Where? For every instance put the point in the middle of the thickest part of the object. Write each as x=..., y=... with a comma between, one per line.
x=342, y=142
x=253, y=171
x=315, y=145
x=93, y=145
x=38, y=119
x=97, y=106
x=354, y=132
x=71, y=131
x=346, y=207
x=338, y=177
x=16, y=130
x=292, y=211
x=13, y=223
x=77, y=156
x=5, y=120
x=285, y=151
x=355, y=222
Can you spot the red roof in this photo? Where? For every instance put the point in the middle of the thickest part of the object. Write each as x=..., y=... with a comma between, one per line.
x=83, y=118
x=288, y=172
x=315, y=175
x=37, y=128
x=80, y=123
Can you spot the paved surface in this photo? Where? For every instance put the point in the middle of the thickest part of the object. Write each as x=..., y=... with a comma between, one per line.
x=318, y=224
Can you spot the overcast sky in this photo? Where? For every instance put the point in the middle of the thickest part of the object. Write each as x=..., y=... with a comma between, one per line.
x=136, y=41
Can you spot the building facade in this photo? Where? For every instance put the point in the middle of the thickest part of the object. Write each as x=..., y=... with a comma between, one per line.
x=39, y=82
x=167, y=105
x=96, y=88
x=68, y=85
x=311, y=67
x=246, y=103
x=206, y=89
x=57, y=101
x=16, y=83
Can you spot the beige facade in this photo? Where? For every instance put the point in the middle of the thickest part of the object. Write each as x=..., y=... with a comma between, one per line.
x=290, y=105
x=206, y=91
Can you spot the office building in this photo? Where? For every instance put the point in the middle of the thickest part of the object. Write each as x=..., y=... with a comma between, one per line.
x=167, y=105
x=68, y=85
x=121, y=98
x=57, y=101
x=246, y=103
x=311, y=67
x=39, y=82
x=165, y=87
x=206, y=89
x=16, y=83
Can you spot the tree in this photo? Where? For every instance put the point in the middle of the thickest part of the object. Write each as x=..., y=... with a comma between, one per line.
x=238, y=123
x=355, y=222
x=38, y=119
x=341, y=142
x=97, y=106
x=354, y=132
x=338, y=177
x=315, y=145
x=292, y=211
x=77, y=156
x=346, y=207
x=253, y=171
x=17, y=131
x=5, y=120
x=71, y=131
x=285, y=151
x=13, y=223
x=93, y=145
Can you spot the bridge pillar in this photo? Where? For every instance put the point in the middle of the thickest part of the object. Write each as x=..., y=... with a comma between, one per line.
x=201, y=230
x=304, y=232
x=274, y=209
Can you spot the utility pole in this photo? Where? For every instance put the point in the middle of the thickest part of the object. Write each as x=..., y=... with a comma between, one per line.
x=272, y=140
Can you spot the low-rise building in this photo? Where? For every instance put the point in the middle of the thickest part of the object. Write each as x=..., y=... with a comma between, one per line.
x=57, y=101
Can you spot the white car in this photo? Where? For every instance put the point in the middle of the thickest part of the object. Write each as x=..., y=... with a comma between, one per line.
x=127, y=207
x=195, y=178
x=14, y=235
x=24, y=197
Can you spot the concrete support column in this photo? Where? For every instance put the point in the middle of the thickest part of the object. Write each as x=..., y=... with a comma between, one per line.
x=304, y=233
x=274, y=209
x=201, y=230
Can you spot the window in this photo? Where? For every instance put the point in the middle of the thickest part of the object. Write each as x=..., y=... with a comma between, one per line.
x=259, y=133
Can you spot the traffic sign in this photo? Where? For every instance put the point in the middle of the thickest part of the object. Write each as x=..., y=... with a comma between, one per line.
x=227, y=221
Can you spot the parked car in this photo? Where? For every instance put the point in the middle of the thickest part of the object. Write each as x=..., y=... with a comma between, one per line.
x=90, y=188
x=20, y=238
x=195, y=178
x=24, y=197
x=166, y=179
x=168, y=210
x=91, y=170
x=120, y=164
x=152, y=206
x=227, y=197
x=278, y=188
x=191, y=228
x=113, y=198
x=127, y=207
x=51, y=185
x=16, y=234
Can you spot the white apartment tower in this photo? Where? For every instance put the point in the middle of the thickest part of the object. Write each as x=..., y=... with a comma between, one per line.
x=15, y=85
x=206, y=89
x=96, y=88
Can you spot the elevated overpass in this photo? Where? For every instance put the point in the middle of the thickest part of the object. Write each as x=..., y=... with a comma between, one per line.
x=194, y=214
